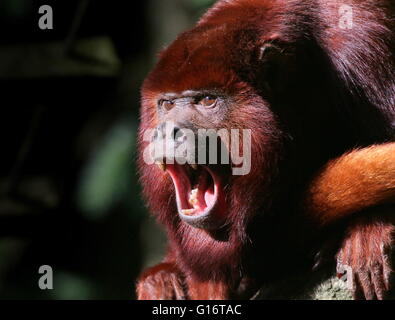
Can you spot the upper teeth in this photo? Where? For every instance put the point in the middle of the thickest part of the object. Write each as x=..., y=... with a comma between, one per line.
x=161, y=165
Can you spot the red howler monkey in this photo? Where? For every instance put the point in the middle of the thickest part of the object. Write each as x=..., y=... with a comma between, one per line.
x=310, y=88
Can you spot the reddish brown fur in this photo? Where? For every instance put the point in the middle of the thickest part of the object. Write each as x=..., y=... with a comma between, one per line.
x=355, y=184
x=358, y=180
x=329, y=91
x=164, y=282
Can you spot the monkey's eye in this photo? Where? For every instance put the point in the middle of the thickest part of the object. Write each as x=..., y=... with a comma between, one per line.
x=208, y=101
x=166, y=104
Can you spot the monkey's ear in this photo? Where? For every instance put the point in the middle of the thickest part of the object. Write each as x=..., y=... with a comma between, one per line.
x=273, y=61
x=269, y=51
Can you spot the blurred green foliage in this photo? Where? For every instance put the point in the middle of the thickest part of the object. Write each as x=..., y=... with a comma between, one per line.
x=200, y=4
x=105, y=236
x=15, y=9
x=198, y=7
x=107, y=177
x=72, y=287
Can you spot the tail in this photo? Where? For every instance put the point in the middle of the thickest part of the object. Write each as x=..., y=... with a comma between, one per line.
x=357, y=180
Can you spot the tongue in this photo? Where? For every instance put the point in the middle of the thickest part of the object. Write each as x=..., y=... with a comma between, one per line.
x=202, y=196
x=209, y=197
x=194, y=197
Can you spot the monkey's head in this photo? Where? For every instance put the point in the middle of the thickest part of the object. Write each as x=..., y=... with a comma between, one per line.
x=222, y=76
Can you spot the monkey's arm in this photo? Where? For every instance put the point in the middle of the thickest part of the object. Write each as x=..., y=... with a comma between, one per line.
x=359, y=183
x=166, y=281
x=356, y=181
x=161, y=282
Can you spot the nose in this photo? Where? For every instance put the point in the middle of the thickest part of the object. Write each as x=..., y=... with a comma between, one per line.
x=169, y=131
x=171, y=142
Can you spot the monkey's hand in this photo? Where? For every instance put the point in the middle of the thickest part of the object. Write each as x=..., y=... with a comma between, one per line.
x=365, y=257
x=162, y=282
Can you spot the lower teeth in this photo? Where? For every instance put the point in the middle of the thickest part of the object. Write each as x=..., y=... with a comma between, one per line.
x=193, y=202
x=193, y=197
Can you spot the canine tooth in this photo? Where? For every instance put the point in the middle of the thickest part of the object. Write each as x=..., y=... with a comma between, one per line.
x=161, y=165
x=187, y=212
x=194, y=166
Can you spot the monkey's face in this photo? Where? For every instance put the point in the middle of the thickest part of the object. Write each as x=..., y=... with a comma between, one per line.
x=182, y=148
x=215, y=142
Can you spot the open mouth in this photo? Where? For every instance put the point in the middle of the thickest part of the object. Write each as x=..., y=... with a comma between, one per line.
x=199, y=194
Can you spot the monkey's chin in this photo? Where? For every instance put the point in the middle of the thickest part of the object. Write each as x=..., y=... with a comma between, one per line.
x=199, y=194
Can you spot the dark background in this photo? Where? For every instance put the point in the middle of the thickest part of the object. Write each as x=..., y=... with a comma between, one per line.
x=69, y=193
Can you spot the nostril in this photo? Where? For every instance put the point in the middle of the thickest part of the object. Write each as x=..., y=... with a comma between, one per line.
x=178, y=134
x=175, y=132
x=168, y=130
x=156, y=134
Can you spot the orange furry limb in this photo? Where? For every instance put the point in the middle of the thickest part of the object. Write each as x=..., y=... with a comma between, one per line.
x=357, y=180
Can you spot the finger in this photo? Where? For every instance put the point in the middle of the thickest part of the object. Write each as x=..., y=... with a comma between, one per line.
x=357, y=291
x=378, y=281
x=387, y=270
x=179, y=293
x=367, y=285
x=387, y=273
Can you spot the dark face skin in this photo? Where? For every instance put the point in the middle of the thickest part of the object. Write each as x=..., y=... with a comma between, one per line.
x=193, y=108
x=198, y=186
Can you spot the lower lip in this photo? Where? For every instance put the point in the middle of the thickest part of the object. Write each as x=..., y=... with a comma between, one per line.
x=207, y=219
